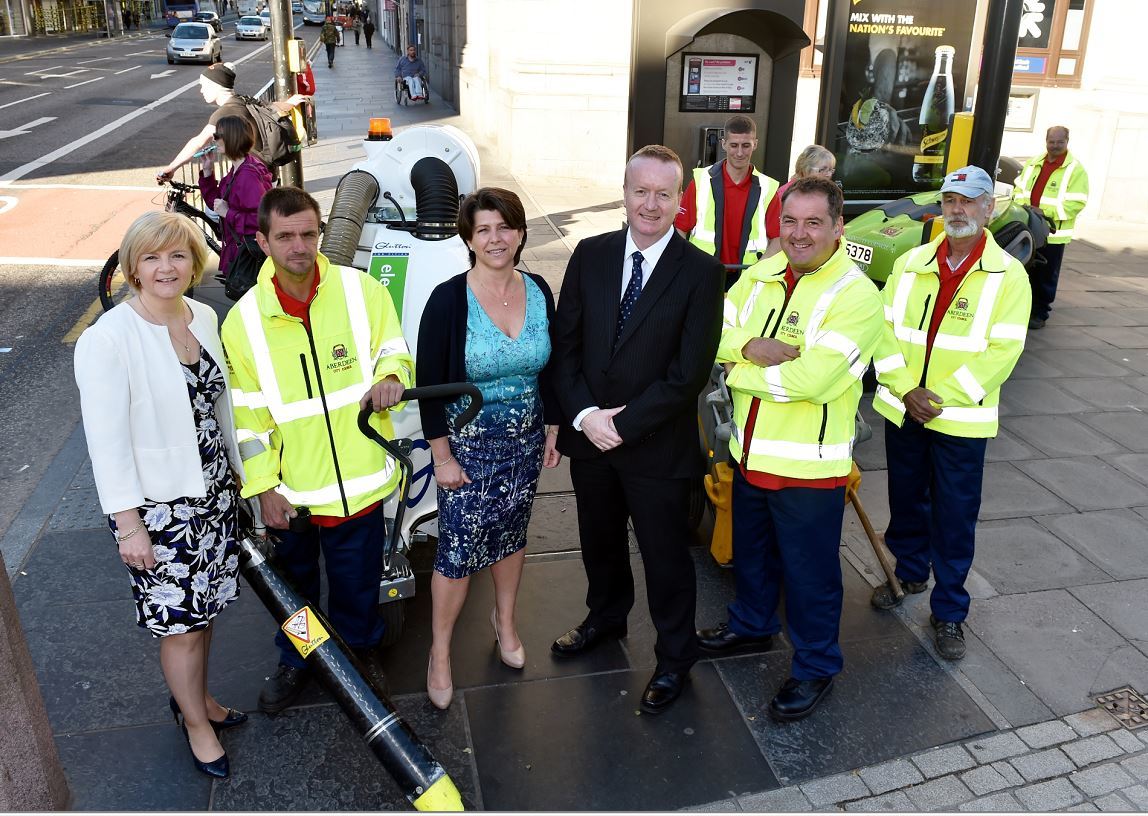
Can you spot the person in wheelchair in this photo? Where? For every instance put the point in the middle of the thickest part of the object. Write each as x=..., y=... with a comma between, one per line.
x=411, y=71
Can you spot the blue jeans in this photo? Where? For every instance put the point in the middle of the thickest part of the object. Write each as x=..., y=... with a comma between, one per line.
x=789, y=536
x=353, y=556
x=934, y=499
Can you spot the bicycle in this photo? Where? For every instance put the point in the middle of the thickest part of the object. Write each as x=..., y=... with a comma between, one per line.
x=113, y=286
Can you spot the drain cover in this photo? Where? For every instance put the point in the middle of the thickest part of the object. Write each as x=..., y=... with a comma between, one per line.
x=1126, y=706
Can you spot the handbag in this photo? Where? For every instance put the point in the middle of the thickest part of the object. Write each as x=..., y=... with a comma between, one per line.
x=248, y=260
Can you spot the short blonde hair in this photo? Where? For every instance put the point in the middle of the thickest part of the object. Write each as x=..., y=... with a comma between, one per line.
x=812, y=157
x=154, y=231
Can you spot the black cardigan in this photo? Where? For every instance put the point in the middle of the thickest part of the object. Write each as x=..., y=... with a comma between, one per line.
x=442, y=351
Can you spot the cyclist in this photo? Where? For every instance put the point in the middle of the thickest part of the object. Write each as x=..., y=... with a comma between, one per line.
x=411, y=70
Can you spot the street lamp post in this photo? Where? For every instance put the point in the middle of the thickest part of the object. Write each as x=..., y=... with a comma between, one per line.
x=281, y=20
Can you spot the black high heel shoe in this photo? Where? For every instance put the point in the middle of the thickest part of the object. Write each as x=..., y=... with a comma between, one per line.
x=232, y=719
x=218, y=768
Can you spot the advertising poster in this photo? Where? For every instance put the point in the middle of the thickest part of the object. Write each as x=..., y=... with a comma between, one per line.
x=718, y=82
x=904, y=76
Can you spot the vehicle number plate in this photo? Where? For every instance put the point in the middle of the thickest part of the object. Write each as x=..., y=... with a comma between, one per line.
x=859, y=252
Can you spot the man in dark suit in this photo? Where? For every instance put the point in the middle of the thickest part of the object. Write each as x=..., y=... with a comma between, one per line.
x=637, y=330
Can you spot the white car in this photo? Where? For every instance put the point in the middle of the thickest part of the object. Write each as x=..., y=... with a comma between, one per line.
x=194, y=42
x=265, y=15
x=250, y=27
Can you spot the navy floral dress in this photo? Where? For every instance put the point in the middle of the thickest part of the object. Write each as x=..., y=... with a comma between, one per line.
x=193, y=539
x=501, y=450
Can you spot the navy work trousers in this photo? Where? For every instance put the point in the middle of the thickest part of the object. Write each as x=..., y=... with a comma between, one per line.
x=1044, y=275
x=934, y=498
x=353, y=556
x=789, y=536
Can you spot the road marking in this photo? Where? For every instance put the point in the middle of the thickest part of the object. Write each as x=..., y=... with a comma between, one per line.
x=134, y=188
x=168, y=72
x=28, y=99
x=85, y=82
x=97, y=59
x=134, y=67
x=7, y=203
x=39, y=70
x=111, y=127
x=90, y=314
x=65, y=76
x=142, y=53
x=66, y=262
x=20, y=131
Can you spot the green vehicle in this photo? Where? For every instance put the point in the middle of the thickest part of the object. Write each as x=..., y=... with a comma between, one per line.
x=878, y=237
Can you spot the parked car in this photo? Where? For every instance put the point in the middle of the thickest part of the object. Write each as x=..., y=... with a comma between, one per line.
x=194, y=42
x=265, y=16
x=209, y=17
x=250, y=27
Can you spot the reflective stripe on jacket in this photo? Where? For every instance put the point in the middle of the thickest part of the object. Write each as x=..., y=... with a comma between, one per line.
x=978, y=342
x=1064, y=195
x=296, y=391
x=706, y=235
x=804, y=427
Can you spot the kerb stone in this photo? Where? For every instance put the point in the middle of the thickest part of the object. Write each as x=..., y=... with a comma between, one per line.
x=944, y=761
x=1052, y=795
x=939, y=794
x=1043, y=765
x=890, y=775
x=834, y=789
x=1043, y=735
x=1001, y=746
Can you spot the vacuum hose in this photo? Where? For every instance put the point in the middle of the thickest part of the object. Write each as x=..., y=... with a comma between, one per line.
x=357, y=192
x=436, y=199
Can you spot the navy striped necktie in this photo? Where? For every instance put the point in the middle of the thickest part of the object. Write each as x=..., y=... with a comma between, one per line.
x=630, y=297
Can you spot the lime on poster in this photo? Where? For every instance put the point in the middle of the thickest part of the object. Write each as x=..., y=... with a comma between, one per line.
x=391, y=272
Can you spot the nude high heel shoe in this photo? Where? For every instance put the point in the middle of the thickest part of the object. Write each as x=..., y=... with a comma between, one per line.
x=440, y=698
x=514, y=659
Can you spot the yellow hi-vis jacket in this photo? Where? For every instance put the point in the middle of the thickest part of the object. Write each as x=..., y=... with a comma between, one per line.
x=978, y=342
x=1063, y=198
x=804, y=427
x=296, y=392
x=706, y=235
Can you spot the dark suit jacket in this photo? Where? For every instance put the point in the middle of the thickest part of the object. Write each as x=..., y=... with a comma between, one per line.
x=662, y=361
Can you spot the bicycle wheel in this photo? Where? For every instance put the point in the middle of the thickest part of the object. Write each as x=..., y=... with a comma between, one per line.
x=113, y=287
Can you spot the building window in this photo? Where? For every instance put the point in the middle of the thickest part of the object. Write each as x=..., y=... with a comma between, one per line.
x=815, y=13
x=1050, y=50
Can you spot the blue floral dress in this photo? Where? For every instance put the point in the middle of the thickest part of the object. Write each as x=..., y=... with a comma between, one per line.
x=501, y=450
x=193, y=539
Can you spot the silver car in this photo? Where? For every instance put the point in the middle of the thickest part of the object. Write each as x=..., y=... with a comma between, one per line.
x=194, y=42
x=250, y=27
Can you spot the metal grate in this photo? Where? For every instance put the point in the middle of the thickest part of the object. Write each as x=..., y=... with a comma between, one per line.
x=1126, y=705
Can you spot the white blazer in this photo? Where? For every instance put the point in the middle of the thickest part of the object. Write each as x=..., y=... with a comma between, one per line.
x=137, y=416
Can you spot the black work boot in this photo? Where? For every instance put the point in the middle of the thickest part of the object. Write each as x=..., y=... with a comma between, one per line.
x=282, y=689
x=949, y=637
x=883, y=597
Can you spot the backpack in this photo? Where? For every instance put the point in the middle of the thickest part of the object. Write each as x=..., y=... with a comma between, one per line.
x=276, y=133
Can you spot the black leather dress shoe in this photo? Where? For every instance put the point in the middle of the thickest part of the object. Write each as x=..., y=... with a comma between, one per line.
x=722, y=640
x=282, y=689
x=798, y=698
x=662, y=690
x=584, y=637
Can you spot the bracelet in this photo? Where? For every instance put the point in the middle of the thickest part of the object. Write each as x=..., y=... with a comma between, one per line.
x=445, y=461
x=130, y=532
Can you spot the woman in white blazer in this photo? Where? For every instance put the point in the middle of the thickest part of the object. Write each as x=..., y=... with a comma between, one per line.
x=156, y=404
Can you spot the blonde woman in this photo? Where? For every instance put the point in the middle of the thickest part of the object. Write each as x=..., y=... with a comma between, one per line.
x=154, y=395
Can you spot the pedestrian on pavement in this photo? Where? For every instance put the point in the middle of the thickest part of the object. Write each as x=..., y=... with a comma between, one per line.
x=357, y=27
x=637, y=328
x=310, y=327
x=329, y=36
x=490, y=326
x=368, y=30
x=722, y=194
x=956, y=311
x=305, y=87
x=1057, y=184
x=800, y=330
x=235, y=197
x=163, y=466
x=814, y=160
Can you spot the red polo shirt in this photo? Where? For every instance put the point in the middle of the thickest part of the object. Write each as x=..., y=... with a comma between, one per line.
x=301, y=309
x=950, y=282
x=771, y=481
x=733, y=213
x=1046, y=171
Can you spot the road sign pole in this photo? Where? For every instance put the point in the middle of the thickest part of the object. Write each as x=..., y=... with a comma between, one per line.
x=291, y=173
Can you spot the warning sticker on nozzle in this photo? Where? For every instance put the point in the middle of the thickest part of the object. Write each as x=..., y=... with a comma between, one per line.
x=304, y=631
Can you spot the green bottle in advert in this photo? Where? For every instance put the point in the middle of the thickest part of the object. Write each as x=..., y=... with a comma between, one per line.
x=936, y=110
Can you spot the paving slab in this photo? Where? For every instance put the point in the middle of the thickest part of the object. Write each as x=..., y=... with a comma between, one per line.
x=992, y=747
x=1091, y=721
x=1087, y=483
x=1060, y=435
x=1052, y=795
x=1080, y=360
x=1133, y=359
x=1033, y=397
x=1122, y=337
x=1036, y=364
x=1111, y=539
x=783, y=800
x=1121, y=604
x=895, y=802
x=1058, y=337
x=1008, y=492
x=997, y=803
x=1105, y=392
x=1138, y=796
x=1113, y=803
x=939, y=794
x=887, y=776
x=1057, y=646
x=945, y=760
x=1102, y=779
x=553, y=524
x=1089, y=750
x=1043, y=735
x=830, y=790
x=1007, y=447
x=1041, y=765
x=1134, y=464
x=1009, y=551
x=985, y=779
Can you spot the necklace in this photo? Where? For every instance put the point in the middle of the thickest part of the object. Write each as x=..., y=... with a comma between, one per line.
x=491, y=292
x=185, y=343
